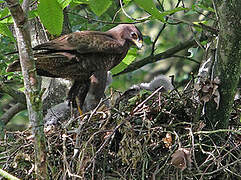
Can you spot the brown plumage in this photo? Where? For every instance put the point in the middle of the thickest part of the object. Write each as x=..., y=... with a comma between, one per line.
x=77, y=56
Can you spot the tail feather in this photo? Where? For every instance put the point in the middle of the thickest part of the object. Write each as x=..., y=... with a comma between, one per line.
x=15, y=66
x=78, y=90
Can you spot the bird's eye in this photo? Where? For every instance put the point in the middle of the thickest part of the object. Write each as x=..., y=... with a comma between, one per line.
x=134, y=35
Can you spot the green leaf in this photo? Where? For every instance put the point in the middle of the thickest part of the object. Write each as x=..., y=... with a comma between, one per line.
x=206, y=8
x=3, y=13
x=147, y=40
x=126, y=1
x=99, y=7
x=80, y=1
x=32, y=14
x=130, y=57
x=22, y=89
x=8, y=20
x=75, y=3
x=4, y=30
x=150, y=7
x=51, y=15
x=64, y=3
x=172, y=11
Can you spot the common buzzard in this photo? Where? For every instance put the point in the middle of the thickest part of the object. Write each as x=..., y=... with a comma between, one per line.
x=80, y=55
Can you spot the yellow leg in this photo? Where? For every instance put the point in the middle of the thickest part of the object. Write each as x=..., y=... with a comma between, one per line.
x=78, y=106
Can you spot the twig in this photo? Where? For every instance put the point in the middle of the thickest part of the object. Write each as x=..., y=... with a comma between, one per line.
x=199, y=25
x=7, y=116
x=185, y=57
x=127, y=15
x=97, y=107
x=143, y=102
x=218, y=131
x=103, y=145
x=196, y=39
x=161, y=56
x=193, y=149
x=7, y=175
x=163, y=27
x=224, y=167
x=101, y=21
x=5, y=17
x=157, y=37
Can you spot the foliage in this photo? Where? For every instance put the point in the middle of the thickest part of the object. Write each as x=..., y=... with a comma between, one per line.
x=130, y=57
x=51, y=15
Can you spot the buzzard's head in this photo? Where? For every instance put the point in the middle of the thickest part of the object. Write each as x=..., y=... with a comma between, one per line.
x=129, y=33
x=133, y=35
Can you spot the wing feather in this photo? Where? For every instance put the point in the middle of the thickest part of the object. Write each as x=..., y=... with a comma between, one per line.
x=83, y=42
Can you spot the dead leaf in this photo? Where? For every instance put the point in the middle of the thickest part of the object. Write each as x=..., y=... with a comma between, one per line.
x=205, y=88
x=197, y=87
x=216, y=80
x=181, y=158
x=206, y=98
x=167, y=140
x=217, y=98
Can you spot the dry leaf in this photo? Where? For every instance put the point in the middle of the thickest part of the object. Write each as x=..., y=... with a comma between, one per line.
x=206, y=98
x=167, y=140
x=181, y=158
x=205, y=89
x=217, y=98
x=216, y=80
x=197, y=87
x=215, y=87
x=107, y=134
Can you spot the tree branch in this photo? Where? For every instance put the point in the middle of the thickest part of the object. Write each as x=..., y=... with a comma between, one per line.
x=158, y=57
x=8, y=115
x=15, y=94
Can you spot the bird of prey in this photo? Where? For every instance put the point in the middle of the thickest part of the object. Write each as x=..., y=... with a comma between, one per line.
x=82, y=56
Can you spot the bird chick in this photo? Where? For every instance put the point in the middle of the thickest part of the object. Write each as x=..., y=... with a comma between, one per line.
x=157, y=82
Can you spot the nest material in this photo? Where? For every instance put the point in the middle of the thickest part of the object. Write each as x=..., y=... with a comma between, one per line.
x=150, y=136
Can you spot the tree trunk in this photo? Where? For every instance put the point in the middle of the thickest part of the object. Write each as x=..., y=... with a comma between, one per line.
x=227, y=60
x=32, y=88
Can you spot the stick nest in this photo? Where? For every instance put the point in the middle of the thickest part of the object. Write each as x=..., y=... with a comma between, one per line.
x=149, y=136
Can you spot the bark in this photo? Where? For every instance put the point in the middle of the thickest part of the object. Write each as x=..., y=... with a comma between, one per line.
x=32, y=88
x=227, y=60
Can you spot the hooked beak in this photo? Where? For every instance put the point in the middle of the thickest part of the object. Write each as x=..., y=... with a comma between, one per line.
x=138, y=43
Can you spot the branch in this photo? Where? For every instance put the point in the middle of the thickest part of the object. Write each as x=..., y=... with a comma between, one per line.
x=101, y=21
x=185, y=57
x=7, y=175
x=163, y=27
x=15, y=94
x=198, y=25
x=156, y=39
x=164, y=55
x=130, y=17
x=8, y=115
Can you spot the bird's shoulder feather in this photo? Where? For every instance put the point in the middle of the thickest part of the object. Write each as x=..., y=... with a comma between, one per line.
x=84, y=42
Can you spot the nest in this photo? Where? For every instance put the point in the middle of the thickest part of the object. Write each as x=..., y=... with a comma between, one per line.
x=152, y=135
